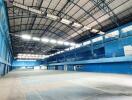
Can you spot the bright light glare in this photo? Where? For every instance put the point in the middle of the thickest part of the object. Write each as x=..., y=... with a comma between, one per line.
x=72, y=44
x=31, y=56
x=78, y=45
x=60, y=42
x=66, y=43
x=25, y=60
x=45, y=40
x=36, y=39
x=26, y=37
x=62, y=51
x=52, y=41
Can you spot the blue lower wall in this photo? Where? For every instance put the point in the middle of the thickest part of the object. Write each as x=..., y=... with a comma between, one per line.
x=51, y=68
x=60, y=67
x=70, y=68
x=2, y=69
x=112, y=67
x=118, y=67
x=121, y=65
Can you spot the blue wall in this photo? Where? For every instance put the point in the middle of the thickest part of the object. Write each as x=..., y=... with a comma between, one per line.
x=18, y=64
x=115, y=47
x=112, y=47
x=118, y=67
x=5, y=47
x=108, y=48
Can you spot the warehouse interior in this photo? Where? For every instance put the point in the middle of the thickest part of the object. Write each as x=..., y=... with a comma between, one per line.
x=65, y=49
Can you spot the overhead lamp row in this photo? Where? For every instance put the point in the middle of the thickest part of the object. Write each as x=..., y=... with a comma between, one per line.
x=100, y=38
x=31, y=56
x=47, y=40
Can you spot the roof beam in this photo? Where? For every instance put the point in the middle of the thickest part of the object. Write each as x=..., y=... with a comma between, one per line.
x=103, y=6
x=42, y=13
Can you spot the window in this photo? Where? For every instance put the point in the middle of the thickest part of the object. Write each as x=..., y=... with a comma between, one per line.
x=97, y=39
x=112, y=34
x=86, y=43
x=127, y=29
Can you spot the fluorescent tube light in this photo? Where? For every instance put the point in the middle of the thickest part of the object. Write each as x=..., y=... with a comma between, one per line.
x=66, y=43
x=35, y=10
x=76, y=25
x=65, y=21
x=45, y=40
x=35, y=38
x=86, y=28
x=25, y=60
x=94, y=30
x=52, y=41
x=101, y=33
x=20, y=5
x=27, y=8
x=78, y=45
x=26, y=37
x=53, y=17
x=30, y=56
x=72, y=44
x=60, y=42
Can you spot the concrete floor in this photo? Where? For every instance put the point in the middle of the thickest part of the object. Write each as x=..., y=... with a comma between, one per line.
x=61, y=85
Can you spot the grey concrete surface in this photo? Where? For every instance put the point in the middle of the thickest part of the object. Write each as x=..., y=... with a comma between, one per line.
x=61, y=85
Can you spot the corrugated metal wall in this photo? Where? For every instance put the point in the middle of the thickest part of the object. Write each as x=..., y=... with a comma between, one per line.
x=5, y=50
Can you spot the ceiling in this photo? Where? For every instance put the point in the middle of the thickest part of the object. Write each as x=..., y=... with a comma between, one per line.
x=98, y=14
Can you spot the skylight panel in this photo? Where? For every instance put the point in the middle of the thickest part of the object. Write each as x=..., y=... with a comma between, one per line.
x=127, y=29
x=97, y=39
x=112, y=34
